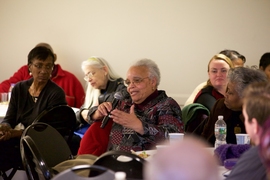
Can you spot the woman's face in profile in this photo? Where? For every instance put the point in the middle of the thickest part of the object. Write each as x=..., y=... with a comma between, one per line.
x=232, y=100
x=41, y=70
x=140, y=86
x=218, y=71
x=97, y=77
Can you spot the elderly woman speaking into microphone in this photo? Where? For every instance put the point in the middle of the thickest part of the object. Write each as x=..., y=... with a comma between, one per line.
x=141, y=120
x=144, y=119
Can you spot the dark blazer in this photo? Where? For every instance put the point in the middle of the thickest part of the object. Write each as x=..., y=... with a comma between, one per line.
x=107, y=95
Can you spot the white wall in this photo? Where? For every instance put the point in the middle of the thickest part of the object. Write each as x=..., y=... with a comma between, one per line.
x=180, y=35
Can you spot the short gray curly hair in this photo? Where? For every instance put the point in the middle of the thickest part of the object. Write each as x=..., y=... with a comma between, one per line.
x=151, y=66
x=243, y=76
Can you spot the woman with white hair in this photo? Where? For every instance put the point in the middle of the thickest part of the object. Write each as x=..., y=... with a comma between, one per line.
x=102, y=83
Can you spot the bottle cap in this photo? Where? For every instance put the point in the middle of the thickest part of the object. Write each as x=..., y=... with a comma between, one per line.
x=120, y=175
x=220, y=117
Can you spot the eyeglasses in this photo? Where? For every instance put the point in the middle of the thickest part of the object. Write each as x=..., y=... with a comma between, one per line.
x=47, y=67
x=89, y=75
x=135, y=81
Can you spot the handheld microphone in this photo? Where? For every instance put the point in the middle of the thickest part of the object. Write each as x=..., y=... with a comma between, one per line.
x=117, y=97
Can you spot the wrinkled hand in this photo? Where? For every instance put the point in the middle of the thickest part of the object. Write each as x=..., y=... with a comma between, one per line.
x=128, y=120
x=5, y=132
x=102, y=110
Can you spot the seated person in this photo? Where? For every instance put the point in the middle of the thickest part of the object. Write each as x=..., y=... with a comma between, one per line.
x=218, y=68
x=145, y=119
x=29, y=98
x=237, y=59
x=66, y=80
x=187, y=159
x=231, y=106
x=103, y=82
x=256, y=112
x=265, y=64
x=140, y=121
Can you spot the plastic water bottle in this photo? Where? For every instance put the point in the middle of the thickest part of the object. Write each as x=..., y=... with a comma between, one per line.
x=220, y=131
x=10, y=90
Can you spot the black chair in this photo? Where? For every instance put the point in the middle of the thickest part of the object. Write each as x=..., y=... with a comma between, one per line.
x=127, y=162
x=63, y=119
x=194, y=116
x=102, y=173
x=42, y=147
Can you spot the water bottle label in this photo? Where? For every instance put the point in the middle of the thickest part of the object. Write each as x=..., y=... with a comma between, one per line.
x=222, y=130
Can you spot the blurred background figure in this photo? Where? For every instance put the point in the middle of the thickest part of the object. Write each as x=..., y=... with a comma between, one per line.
x=66, y=80
x=29, y=98
x=185, y=160
x=237, y=59
x=265, y=64
x=230, y=107
x=256, y=111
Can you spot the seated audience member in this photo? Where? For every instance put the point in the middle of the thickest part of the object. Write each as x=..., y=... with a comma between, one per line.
x=142, y=119
x=102, y=85
x=256, y=111
x=265, y=64
x=215, y=89
x=66, y=80
x=231, y=106
x=237, y=59
x=146, y=118
x=185, y=160
x=29, y=98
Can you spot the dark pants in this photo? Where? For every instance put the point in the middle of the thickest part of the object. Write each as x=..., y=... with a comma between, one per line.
x=10, y=155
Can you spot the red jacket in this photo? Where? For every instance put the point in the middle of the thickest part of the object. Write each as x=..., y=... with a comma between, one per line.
x=67, y=81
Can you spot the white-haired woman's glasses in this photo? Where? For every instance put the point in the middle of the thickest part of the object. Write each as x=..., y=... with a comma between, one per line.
x=89, y=75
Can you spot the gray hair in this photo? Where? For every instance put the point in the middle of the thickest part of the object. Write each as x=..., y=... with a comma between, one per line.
x=243, y=76
x=151, y=66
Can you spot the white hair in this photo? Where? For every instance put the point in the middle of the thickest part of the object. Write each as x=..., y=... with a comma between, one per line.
x=92, y=94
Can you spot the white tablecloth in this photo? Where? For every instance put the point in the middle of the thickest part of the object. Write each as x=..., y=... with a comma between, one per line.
x=3, y=110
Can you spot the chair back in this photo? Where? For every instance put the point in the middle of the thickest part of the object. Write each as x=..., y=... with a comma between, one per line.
x=194, y=117
x=127, y=162
x=102, y=173
x=42, y=147
x=62, y=118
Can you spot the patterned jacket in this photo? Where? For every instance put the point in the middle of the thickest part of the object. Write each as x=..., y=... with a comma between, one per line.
x=159, y=116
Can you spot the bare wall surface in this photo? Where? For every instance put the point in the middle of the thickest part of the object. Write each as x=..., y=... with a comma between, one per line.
x=180, y=35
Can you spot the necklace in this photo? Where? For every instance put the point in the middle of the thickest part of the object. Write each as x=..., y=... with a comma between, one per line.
x=35, y=98
x=34, y=94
